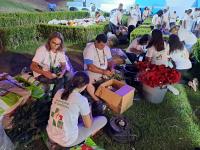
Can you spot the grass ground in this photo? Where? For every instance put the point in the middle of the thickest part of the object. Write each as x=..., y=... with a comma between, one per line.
x=13, y=6
x=29, y=5
x=174, y=124
x=170, y=125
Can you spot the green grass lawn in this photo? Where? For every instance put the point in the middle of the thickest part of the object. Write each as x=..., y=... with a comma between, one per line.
x=12, y=6
x=167, y=126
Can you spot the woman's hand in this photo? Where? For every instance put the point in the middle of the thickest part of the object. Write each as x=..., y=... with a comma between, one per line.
x=49, y=75
x=107, y=73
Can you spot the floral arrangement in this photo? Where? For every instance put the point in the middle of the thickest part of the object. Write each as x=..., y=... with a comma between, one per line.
x=157, y=75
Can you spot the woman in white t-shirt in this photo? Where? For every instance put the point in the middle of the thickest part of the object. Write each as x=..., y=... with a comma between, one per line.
x=180, y=58
x=157, y=49
x=98, y=17
x=50, y=64
x=137, y=49
x=157, y=19
x=63, y=127
x=146, y=13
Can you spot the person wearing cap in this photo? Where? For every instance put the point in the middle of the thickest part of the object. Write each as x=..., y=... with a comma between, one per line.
x=115, y=19
x=97, y=62
x=185, y=36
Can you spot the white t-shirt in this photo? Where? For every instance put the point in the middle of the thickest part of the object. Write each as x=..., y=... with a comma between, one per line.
x=188, y=21
x=145, y=14
x=181, y=59
x=117, y=16
x=44, y=58
x=159, y=57
x=62, y=126
x=97, y=57
x=101, y=19
x=156, y=20
x=173, y=17
x=136, y=45
x=187, y=36
x=134, y=17
x=166, y=17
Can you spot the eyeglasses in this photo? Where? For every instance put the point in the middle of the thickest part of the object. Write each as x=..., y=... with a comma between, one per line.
x=56, y=44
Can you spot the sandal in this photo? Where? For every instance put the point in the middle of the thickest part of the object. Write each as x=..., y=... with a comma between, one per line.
x=192, y=85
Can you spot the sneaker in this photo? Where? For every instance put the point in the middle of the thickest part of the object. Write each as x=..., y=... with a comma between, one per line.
x=192, y=85
x=196, y=82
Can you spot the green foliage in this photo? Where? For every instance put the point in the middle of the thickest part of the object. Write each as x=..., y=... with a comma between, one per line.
x=139, y=32
x=106, y=14
x=36, y=17
x=196, y=50
x=8, y=22
x=125, y=20
x=10, y=38
x=147, y=21
x=78, y=34
x=15, y=6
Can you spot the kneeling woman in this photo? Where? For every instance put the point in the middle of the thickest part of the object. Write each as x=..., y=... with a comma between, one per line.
x=63, y=127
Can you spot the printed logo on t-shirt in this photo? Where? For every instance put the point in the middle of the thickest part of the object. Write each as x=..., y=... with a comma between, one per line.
x=57, y=118
x=159, y=57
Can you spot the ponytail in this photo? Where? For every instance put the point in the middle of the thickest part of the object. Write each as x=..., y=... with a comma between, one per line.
x=68, y=90
x=79, y=80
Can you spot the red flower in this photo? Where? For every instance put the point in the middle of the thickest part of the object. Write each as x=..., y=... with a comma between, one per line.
x=157, y=75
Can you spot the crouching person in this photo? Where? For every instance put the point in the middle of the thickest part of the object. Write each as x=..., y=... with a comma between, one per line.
x=50, y=64
x=97, y=62
x=63, y=128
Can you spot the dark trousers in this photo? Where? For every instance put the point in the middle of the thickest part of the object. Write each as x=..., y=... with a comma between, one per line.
x=113, y=28
x=59, y=83
x=185, y=76
x=133, y=57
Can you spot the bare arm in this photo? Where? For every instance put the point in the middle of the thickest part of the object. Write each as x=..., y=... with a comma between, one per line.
x=135, y=51
x=87, y=120
x=148, y=59
x=95, y=69
x=35, y=67
x=184, y=24
x=111, y=65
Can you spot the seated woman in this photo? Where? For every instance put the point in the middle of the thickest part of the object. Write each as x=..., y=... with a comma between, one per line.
x=157, y=49
x=137, y=48
x=99, y=17
x=118, y=55
x=63, y=128
x=180, y=57
x=50, y=64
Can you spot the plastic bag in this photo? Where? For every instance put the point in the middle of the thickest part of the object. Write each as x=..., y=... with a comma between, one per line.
x=5, y=142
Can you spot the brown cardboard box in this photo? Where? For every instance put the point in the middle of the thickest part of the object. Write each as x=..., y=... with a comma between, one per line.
x=119, y=98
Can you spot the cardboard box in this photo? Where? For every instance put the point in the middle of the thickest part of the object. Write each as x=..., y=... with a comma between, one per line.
x=117, y=94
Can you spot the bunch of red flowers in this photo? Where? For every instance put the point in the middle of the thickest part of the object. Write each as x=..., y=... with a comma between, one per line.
x=157, y=75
